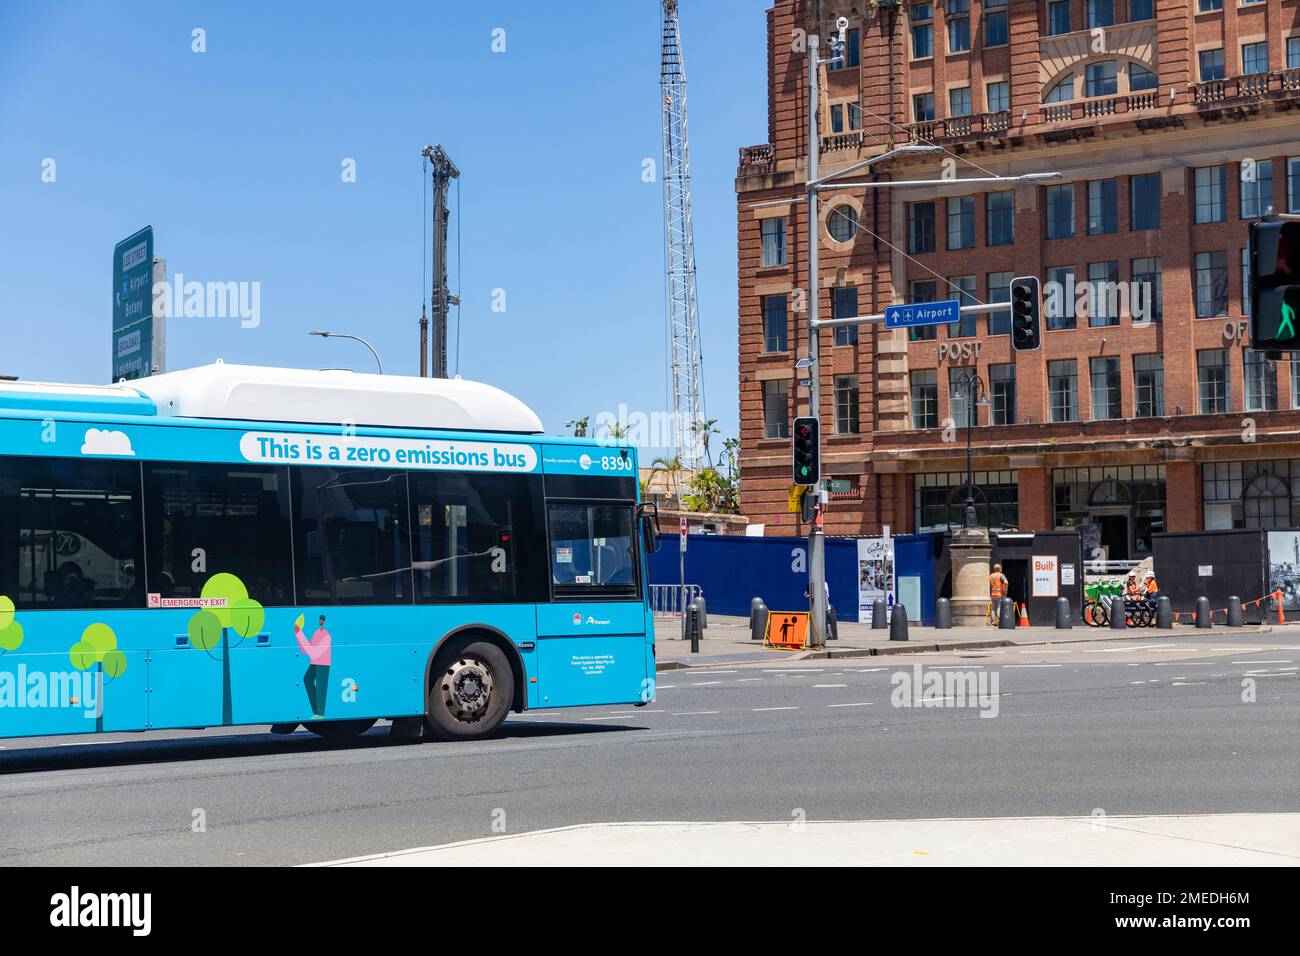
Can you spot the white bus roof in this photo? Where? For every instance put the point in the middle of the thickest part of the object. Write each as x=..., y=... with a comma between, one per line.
x=334, y=396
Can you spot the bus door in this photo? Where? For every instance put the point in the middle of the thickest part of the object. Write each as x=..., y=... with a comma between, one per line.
x=591, y=638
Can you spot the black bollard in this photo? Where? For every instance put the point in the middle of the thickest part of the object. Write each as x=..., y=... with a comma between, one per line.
x=1203, y=620
x=898, y=624
x=1234, y=611
x=1164, y=613
x=757, y=619
x=704, y=611
x=879, y=615
x=1118, y=612
x=943, y=614
x=1064, y=620
x=693, y=626
x=1007, y=615
x=832, y=625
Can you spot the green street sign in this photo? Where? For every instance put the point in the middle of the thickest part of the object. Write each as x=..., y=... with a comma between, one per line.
x=133, y=325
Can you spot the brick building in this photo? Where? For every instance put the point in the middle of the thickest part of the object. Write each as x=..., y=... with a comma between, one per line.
x=1173, y=124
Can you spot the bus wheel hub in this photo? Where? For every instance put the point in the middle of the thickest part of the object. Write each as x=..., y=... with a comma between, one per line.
x=467, y=688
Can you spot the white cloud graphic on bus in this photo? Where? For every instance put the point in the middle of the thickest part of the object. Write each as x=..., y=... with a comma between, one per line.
x=106, y=442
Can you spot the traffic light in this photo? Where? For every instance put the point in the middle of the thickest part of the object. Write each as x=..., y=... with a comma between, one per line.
x=1275, y=286
x=1026, y=326
x=807, y=452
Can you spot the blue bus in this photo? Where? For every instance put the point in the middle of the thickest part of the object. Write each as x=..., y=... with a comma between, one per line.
x=234, y=545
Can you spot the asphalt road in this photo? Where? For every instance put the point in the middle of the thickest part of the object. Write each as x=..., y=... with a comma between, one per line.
x=1138, y=727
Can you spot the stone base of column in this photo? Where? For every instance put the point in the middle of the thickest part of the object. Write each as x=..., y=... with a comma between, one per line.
x=970, y=551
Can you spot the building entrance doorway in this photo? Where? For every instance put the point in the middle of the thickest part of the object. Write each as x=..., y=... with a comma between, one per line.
x=1114, y=535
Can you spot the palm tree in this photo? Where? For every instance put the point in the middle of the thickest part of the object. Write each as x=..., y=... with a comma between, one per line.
x=672, y=467
x=703, y=431
x=580, y=427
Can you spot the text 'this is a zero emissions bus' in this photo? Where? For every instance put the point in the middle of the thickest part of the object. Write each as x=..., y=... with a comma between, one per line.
x=242, y=545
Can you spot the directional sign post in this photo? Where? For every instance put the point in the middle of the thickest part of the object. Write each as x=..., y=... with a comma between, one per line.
x=137, y=344
x=916, y=314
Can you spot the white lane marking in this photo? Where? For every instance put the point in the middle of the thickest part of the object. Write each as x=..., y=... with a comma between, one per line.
x=759, y=709
x=693, y=713
x=639, y=711
x=958, y=667
x=742, y=680
x=863, y=704
x=1187, y=683
x=90, y=743
x=706, y=683
x=1183, y=664
x=1259, y=662
x=815, y=686
x=614, y=717
x=1035, y=665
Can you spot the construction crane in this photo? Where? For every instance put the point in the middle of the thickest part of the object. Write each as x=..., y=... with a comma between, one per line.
x=685, y=361
x=443, y=171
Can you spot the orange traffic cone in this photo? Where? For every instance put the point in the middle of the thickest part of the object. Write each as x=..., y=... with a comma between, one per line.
x=1024, y=615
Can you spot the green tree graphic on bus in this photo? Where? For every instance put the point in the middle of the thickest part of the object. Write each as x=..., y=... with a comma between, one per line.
x=98, y=649
x=11, y=632
x=211, y=627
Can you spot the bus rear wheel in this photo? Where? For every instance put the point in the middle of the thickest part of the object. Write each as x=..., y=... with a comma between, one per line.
x=339, y=729
x=471, y=689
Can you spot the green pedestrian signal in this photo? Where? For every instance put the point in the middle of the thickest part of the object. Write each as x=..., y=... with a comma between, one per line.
x=807, y=451
x=1274, y=264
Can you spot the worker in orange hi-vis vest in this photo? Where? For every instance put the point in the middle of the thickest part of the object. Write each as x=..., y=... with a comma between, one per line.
x=997, y=585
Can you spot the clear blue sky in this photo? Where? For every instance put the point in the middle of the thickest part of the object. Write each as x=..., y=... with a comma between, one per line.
x=233, y=156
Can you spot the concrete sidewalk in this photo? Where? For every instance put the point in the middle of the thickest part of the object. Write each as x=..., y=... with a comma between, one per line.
x=727, y=640
x=1228, y=839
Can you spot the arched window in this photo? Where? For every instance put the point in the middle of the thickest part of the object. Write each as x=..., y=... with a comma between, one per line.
x=843, y=223
x=1062, y=92
x=1111, y=492
x=1140, y=78
x=1266, y=503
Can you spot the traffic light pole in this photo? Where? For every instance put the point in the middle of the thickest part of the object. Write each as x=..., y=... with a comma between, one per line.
x=816, y=537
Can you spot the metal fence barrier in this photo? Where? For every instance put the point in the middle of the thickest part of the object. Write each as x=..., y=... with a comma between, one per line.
x=666, y=599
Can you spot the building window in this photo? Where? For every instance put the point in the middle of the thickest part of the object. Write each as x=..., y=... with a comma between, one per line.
x=961, y=222
x=998, y=95
x=957, y=24
x=775, y=324
x=1148, y=386
x=1100, y=79
x=1058, y=17
x=842, y=223
x=1261, y=381
x=925, y=399
x=1140, y=78
x=1141, y=10
x=1060, y=211
x=1127, y=501
x=1212, y=380
x=1062, y=92
x=1000, y=291
x=1062, y=390
x=941, y=500
x=964, y=289
x=837, y=118
x=1211, y=284
x=958, y=408
x=999, y=218
x=995, y=23
x=1256, y=189
x=923, y=107
x=923, y=290
x=1103, y=206
x=846, y=404
x=1101, y=13
x=1251, y=494
x=1205, y=6
x=1059, y=297
x=844, y=305
x=1292, y=52
x=1103, y=298
x=1254, y=58
x=1295, y=379
x=1211, y=63
x=1148, y=290
x=773, y=233
x=959, y=101
x=1209, y=194
x=1002, y=394
x=1144, y=192
x=1106, y=403
x=776, y=408
x=920, y=227
x=1245, y=282
x=1293, y=184
x=922, y=30
x=852, y=50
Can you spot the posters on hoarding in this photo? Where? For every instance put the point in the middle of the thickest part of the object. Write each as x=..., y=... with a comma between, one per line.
x=875, y=575
x=1044, y=581
x=1284, y=567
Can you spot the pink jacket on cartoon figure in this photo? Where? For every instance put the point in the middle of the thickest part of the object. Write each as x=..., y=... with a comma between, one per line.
x=318, y=648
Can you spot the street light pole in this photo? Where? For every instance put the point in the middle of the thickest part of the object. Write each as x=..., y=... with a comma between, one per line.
x=974, y=387
x=355, y=338
x=816, y=537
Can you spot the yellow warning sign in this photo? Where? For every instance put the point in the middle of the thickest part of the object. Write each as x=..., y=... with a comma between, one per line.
x=786, y=630
x=794, y=499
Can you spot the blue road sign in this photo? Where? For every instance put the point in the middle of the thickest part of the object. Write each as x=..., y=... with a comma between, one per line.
x=922, y=313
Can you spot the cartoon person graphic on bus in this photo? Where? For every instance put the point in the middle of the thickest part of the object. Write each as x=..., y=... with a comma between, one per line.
x=316, y=678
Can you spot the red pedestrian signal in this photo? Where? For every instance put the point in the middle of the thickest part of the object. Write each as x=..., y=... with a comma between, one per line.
x=807, y=451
